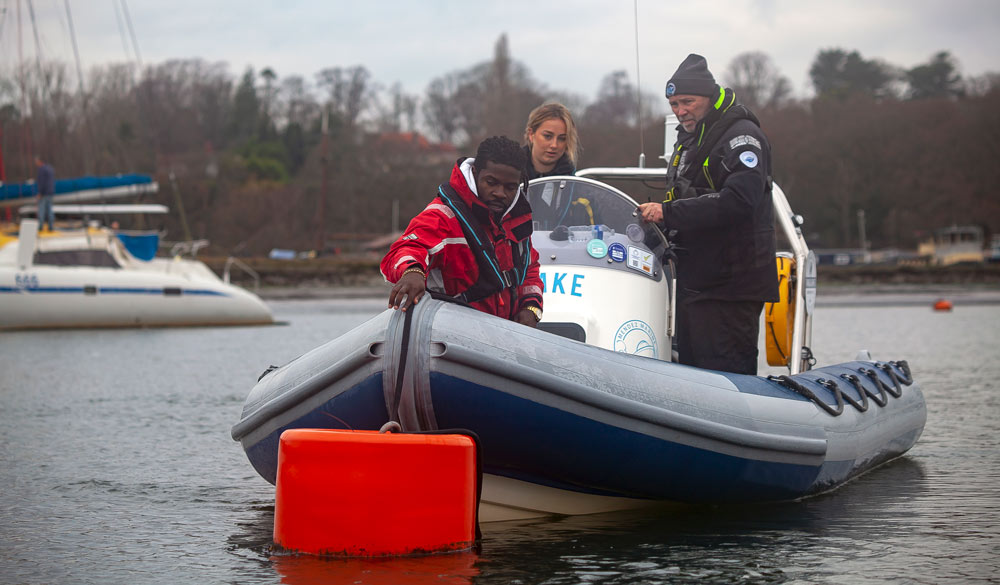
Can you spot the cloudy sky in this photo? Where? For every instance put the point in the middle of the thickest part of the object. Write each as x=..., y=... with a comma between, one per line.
x=568, y=45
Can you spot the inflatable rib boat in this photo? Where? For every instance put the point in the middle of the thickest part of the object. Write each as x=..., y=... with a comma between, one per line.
x=588, y=413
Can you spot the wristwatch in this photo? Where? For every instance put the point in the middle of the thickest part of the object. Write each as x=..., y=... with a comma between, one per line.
x=536, y=311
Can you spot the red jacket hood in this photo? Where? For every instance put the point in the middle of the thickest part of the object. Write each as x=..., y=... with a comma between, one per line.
x=460, y=183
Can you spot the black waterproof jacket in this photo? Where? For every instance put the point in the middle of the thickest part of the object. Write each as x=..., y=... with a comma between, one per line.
x=722, y=221
x=563, y=166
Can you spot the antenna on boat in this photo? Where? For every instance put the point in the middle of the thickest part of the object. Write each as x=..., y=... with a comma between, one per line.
x=638, y=86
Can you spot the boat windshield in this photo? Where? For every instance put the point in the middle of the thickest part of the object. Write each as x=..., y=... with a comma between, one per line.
x=570, y=205
x=94, y=258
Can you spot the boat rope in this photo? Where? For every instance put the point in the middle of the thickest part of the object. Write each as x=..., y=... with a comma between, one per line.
x=903, y=367
x=404, y=348
x=808, y=357
x=879, y=397
x=391, y=427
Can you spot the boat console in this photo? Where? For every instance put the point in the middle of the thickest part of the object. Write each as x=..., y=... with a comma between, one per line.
x=606, y=274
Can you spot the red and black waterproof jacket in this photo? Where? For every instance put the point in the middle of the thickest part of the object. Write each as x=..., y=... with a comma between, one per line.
x=442, y=240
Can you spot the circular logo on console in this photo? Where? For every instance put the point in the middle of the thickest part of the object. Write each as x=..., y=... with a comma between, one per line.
x=597, y=248
x=637, y=338
x=617, y=252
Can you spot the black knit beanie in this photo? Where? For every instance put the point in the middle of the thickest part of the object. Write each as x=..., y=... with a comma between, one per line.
x=692, y=78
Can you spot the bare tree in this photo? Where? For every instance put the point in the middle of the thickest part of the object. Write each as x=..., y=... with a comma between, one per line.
x=616, y=102
x=493, y=97
x=440, y=108
x=398, y=111
x=348, y=93
x=510, y=93
x=297, y=104
x=756, y=80
x=981, y=85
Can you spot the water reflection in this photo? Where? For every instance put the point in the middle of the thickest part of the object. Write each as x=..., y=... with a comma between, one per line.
x=457, y=568
x=709, y=544
x=686, y=545
x=814, y=540
x=252, y=539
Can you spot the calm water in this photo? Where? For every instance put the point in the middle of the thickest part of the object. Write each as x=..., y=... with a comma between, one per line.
x=116, y=466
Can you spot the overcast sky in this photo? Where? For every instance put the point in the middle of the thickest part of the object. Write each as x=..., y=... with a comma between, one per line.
x=568, y=45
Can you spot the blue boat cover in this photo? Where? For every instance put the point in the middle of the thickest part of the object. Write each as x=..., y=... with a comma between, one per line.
x=19, y=190
x=141, y=246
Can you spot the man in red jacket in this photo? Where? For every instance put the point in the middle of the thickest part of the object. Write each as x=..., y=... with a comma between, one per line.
x=473, y=241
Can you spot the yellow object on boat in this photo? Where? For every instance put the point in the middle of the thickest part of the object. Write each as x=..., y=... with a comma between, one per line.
x=779, y=317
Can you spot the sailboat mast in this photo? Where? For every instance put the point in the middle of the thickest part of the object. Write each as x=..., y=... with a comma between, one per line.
x=26, y=152
x=43, y=86
x=83, y=95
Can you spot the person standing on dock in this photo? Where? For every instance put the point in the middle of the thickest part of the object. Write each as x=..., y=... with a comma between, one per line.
x=473, y=241
x=719, y=214
x=45, y=185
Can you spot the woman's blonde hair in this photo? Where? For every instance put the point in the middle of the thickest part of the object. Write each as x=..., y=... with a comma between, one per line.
x=549, y=111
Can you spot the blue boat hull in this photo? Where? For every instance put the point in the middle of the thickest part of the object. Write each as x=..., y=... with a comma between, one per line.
x=559, y=417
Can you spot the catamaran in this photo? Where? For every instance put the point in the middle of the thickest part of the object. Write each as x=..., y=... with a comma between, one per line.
x=92, y=275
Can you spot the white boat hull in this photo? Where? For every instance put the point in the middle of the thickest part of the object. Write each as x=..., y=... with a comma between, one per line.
x=58, y=297
x=103, y=285
x=506, y=498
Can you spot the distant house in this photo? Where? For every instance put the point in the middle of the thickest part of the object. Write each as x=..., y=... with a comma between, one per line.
x=407, y=146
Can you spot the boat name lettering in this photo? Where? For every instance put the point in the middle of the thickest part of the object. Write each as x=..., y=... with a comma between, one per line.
x=26, y=280
x=559, y=286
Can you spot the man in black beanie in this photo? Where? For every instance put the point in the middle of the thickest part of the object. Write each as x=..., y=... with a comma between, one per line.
x=719, y=214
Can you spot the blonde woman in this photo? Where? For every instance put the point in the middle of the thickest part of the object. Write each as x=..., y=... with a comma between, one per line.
x=551, y=141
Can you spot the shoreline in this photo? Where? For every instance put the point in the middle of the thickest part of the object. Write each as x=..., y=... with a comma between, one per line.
x=832, y=295
x=359, y=278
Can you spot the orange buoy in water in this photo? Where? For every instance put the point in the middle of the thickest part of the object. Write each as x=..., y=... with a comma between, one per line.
x=942, y=305
x=366, y=493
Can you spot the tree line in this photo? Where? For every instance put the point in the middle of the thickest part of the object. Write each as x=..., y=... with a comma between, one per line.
x=262, y=161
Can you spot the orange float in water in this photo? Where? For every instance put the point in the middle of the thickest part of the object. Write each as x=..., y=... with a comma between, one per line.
x=365, y=493
x=942, y=305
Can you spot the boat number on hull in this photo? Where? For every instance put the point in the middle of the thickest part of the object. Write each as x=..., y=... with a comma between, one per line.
x=637, y=338
x=563, y=283
x=26, y=280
